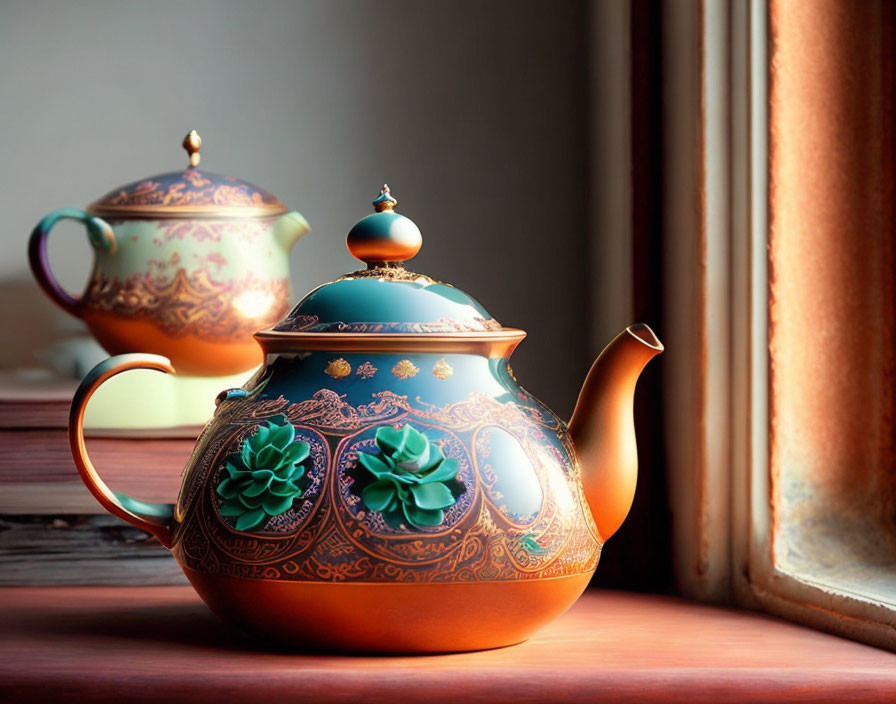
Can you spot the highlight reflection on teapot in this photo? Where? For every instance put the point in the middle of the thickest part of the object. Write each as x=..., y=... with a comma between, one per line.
x=383, y=483
x=186, y=264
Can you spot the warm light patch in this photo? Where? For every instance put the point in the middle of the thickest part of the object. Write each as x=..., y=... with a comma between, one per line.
x=253, y=304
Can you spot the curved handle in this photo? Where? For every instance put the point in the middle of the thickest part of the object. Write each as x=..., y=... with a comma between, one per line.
x=98, y=231
x=153, y=518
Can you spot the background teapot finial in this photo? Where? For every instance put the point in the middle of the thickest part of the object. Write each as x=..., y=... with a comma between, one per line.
x=384, y=238
x=192, y=143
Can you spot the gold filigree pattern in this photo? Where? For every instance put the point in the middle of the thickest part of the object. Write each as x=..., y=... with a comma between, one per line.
x=332, y=544
x=297, y=323
x=328, y=410
x=338, y=368
x=405, y=369
x=190, y=188
x=312, y=323
x=389, y=273
x=442, y=370
x=193, y=303
x=250, y=230
x=366, y=370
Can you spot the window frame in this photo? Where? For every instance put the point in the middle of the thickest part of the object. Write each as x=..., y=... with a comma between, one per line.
x=716, y=284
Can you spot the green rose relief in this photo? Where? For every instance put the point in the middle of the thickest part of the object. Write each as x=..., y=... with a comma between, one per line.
x=265, y=477
x=411, y=477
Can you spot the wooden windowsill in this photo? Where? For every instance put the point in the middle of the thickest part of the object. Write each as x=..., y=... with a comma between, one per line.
x=141, y=644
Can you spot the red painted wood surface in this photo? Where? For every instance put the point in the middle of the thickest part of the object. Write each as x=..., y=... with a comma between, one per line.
x=148, y=644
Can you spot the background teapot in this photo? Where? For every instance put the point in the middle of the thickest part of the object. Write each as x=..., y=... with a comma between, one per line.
x=187, y=265
x=383, y=483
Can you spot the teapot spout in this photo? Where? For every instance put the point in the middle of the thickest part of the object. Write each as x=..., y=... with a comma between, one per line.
x=602, y=427
x=289, y=228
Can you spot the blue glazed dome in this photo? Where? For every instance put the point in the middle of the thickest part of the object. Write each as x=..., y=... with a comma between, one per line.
x=385, y=297
x=371, y=304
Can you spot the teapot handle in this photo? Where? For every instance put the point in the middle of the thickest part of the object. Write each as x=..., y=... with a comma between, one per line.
x=98, y=231
x=153, y=518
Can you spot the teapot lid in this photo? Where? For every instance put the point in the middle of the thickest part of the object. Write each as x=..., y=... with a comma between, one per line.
x=385, y=299
x=189, y=193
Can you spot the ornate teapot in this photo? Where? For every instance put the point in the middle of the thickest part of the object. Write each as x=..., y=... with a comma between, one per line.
x=383, y=483
x=186, y=264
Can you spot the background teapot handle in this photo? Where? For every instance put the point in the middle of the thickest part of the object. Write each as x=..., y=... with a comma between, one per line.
x=153, y=518
x=98, y=231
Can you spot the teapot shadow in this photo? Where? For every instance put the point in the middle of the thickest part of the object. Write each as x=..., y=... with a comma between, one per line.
x=179, y=625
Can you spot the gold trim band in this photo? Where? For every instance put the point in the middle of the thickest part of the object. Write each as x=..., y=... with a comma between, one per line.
x=148, y=212
x=498, y=344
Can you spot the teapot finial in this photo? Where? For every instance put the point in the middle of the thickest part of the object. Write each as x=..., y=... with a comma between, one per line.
x=385, y=201
x=384, y=238
x=192, y=143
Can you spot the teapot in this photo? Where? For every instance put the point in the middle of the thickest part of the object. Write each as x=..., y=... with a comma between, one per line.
x=383, y=483
x=187, y=265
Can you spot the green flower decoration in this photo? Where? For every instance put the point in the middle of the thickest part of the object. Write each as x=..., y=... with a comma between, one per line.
x=265, y=477
x=411, y=477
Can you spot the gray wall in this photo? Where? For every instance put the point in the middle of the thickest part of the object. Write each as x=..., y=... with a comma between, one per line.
x=474, y=113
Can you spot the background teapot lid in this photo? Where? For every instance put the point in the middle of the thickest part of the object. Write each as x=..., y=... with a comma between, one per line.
x=385, y=297
x=190, y=193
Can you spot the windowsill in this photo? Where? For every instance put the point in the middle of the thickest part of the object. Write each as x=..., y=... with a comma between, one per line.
x=140, y=644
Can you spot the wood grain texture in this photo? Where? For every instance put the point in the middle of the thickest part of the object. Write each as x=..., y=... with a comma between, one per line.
x=81, y=550
x=96, y=644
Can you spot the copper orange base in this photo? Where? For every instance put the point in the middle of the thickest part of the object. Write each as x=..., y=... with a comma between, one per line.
x=383, y=617
x=188, y=353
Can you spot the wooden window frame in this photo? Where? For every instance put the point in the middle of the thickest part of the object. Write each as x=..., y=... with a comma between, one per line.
x=716, y=285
